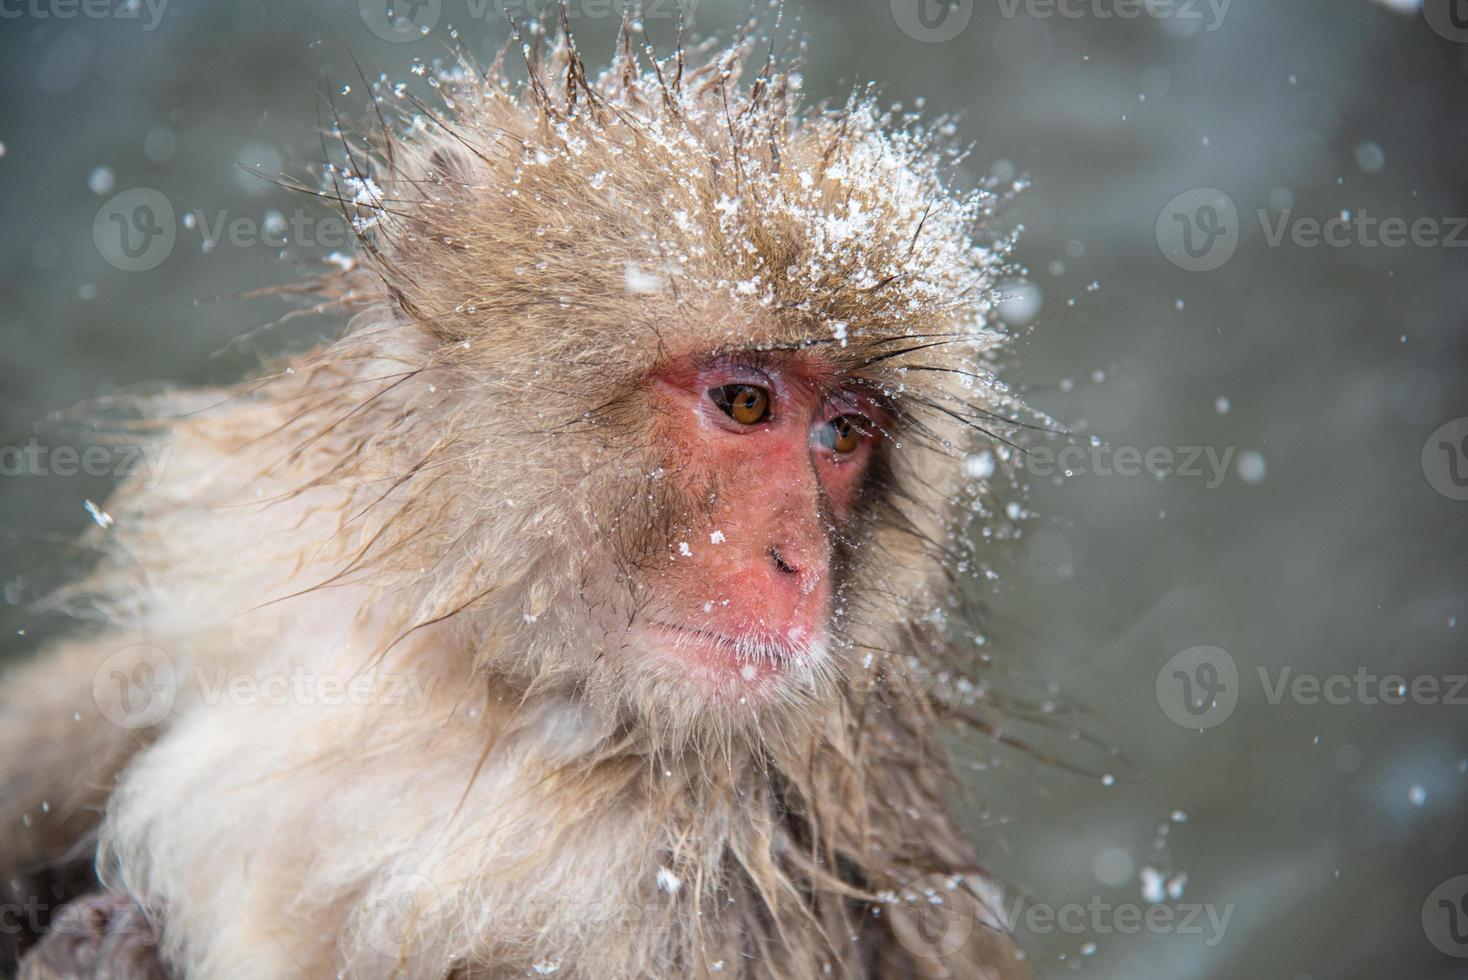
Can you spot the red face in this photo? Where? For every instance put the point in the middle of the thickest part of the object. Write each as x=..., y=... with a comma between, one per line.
x=779, y=454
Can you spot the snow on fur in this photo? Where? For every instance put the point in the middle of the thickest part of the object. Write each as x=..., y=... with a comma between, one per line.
x=431, y=493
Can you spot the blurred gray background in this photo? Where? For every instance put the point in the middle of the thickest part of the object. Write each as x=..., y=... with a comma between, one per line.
x=1319, y=374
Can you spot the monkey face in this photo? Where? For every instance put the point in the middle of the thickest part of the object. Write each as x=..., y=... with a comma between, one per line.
x=746, y=591
x=739, y=587
x=711, y=373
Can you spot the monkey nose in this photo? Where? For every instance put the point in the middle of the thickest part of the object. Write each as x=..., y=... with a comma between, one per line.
x=777, y=556
x=796, y=567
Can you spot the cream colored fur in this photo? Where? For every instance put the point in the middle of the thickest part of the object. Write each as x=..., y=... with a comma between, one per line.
x=429, y=502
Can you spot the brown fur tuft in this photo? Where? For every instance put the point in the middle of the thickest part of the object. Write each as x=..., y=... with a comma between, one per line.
x=432, y=495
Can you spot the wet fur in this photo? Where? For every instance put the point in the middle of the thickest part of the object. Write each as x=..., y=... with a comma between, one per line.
x=437, y=494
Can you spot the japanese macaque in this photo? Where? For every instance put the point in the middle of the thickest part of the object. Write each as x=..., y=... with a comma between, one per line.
x=590, y=607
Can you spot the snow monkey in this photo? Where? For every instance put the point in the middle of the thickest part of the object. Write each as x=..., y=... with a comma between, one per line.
x=591, y=606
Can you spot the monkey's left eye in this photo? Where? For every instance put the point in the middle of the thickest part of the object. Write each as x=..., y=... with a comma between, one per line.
x=745, y=404
x=842, y=434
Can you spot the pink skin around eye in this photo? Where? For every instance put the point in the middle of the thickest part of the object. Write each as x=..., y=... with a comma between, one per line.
x=749, y=593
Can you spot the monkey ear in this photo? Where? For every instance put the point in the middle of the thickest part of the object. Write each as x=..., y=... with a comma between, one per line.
x=443, y=181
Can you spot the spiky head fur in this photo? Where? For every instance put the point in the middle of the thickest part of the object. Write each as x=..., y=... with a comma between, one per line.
x=552, y=243
x=474, y=455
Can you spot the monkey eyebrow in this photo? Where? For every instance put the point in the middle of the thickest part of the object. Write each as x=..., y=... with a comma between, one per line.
x=755, y=350
x=799, y=345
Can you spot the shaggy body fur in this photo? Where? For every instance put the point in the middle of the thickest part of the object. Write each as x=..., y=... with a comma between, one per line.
x=426, y=508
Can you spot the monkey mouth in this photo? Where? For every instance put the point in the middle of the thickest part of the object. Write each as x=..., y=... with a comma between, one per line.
x=746, y=659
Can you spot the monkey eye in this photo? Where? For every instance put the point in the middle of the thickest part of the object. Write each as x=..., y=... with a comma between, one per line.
x=842, y=434
x=745, y=404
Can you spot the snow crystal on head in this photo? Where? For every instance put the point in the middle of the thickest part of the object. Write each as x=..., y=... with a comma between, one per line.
x=684, y=184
